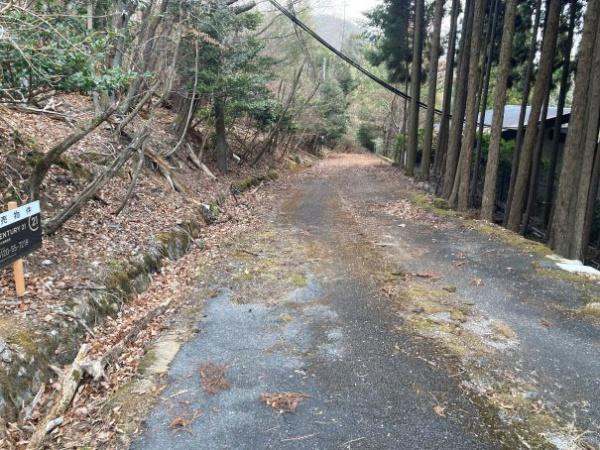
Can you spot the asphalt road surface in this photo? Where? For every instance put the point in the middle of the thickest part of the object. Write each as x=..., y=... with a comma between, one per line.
x=371, y=379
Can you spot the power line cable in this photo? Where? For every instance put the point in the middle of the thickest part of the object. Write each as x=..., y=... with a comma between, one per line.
x=346, y=58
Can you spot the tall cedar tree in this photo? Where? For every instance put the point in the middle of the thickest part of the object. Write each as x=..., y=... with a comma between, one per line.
x=415, y=88
x=526, y=86
x=567, y=228
x=483, y=97
x=491, y=171
x=460, y=193
x=562, y=96
x=460, y=97
x=539, y=94
x=432, y=78
x=442, y=146
x=392, y=44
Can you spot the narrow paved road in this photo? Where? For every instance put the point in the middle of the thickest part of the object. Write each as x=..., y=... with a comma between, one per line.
x=404, y=332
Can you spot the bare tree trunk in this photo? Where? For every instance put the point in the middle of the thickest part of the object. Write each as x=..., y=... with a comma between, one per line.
x=191, y=109
x=520, y=129
x=392, y=128
x=537, y=154
x=172, y=70
x=124, y=9
x=90, y=28
x=147, y=42
x=90, y=15
x=460, y=97
x=591, y=202
x=562, y=236
x=539, y=94
x=402, y=149
x=134, y=178
x=432, y=80
x=42, y=166
x=415, y=89
x=556, y=131
x=586, y=179
x=462, y=196
x=491, y=34
x=488, y=201
x=222, y=147
x=438, y=166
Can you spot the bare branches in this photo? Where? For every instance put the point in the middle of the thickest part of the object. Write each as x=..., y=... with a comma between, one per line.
x=6, y=7
x=134, y=178
x=98, y=183
x=41, y=168
x=192, y=102
x=147, y=96
x=198, y=163
x=244, y=8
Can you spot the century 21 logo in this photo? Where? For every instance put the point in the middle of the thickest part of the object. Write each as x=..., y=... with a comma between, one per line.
x=34, y=223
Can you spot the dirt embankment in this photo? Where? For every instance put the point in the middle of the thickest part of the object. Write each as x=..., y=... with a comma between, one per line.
x=99, y=261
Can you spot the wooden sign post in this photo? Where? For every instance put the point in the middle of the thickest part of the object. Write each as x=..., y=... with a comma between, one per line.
x=20, y=235
x=18, y=270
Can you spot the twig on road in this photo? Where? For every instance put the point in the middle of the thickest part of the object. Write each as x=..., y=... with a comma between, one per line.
x=347, y=443
x=299, y=438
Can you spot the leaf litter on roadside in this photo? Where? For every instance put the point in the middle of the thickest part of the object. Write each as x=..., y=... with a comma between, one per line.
x=213, y=377
x=283, y=401
x=181, y=422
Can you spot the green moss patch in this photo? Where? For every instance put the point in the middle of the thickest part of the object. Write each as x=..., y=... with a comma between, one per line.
x=254, y=180
x=298, y=280
x=513, y=239
x=436, y=205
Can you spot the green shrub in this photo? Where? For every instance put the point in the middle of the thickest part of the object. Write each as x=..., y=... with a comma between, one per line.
x=366, y=136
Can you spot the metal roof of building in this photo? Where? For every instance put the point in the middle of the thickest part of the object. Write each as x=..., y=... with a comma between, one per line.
x=512, y=112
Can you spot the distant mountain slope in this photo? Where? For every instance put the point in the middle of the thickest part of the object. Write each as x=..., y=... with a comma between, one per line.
x=333, y=29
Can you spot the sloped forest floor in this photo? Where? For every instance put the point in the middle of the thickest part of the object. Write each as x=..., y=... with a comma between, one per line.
x=97, y=255
x=356, y=314
x=90, y=242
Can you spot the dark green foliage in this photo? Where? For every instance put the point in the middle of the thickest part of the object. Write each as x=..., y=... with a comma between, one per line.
x=366, y=136
x=333, y=112
x=232, y=67
x=56, y=53
x=344, y=77
x=265, y=112
x=391, y=23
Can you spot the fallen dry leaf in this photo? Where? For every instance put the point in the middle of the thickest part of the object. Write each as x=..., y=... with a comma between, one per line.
x=431, y=275
x=440, y=410
x=213, y=377
x=476, y=282
x=283, y=401
x=180, y=422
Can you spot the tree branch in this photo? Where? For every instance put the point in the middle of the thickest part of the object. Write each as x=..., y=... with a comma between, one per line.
x=43, y=166
x=98, y=183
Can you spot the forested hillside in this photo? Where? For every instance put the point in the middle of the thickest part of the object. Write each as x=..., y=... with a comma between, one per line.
x=213, y=212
